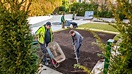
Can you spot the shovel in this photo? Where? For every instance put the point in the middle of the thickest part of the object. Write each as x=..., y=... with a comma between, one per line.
x=76, y=68
x=75, y=54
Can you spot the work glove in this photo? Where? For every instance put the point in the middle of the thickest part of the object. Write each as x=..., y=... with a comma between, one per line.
x=35, y=37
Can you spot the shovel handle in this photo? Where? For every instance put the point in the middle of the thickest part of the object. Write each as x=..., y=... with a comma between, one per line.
x=75, y=53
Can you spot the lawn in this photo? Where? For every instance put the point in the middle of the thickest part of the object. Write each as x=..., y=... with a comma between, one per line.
x=100, y=26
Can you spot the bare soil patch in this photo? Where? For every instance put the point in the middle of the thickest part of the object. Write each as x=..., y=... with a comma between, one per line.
x=88, y=51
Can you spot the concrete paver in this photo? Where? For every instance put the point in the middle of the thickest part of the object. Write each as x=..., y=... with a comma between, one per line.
x=36, y=19
x=47, y=70
x=98, y=68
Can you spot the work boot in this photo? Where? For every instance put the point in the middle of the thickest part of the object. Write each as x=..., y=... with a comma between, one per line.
x=46, y=63
x=76, y=58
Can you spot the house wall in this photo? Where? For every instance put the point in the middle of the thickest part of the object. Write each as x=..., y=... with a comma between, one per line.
x=100, y=2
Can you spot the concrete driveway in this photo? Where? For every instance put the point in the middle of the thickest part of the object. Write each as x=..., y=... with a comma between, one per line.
x=37, y=22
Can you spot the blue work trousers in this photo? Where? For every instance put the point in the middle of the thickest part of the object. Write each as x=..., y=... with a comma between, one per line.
x=43, y=48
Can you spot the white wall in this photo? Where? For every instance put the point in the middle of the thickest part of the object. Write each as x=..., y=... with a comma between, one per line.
x=130, y=1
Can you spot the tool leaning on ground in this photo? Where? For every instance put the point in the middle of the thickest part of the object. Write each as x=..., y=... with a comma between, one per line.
x=76, y=69
x=75, y=54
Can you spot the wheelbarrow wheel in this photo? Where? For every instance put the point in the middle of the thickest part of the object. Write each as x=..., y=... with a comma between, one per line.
x=55, y=64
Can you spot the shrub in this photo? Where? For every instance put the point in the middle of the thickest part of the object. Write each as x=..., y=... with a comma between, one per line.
x=121, y=15
x=16, y=54
x=109, y=14
x=73, y=9
x=105, y=14
x=80, y=8
x=104, y=11
x=122, y=63
x=62, y=8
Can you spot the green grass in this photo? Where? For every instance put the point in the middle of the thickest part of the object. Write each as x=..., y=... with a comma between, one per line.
x=99, y=26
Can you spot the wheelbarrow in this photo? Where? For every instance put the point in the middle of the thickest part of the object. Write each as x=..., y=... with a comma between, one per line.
x=56, y=54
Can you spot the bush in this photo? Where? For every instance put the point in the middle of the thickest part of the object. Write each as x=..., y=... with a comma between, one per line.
x=105, y=14
x=62, y=8
x=122, y=63
x=80, y=8
x=16, y=54
x=73, y=9
x=81, y=13
x=109, y=14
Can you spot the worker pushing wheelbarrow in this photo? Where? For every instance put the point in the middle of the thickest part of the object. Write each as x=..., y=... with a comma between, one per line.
x=55, y=53
x=44, y=37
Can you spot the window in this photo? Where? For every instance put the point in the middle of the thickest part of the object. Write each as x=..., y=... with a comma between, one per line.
x=80, y=1
x=130, y=1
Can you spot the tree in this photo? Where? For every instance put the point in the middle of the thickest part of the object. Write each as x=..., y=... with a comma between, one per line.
x=44, y=7
x=16, y=53
x=122, y=62
x=65, y=3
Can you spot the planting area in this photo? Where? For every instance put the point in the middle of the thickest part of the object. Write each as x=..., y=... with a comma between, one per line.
x=88, y=50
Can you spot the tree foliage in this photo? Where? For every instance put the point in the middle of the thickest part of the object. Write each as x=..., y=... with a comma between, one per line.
x=80, y=8
x=16, y=54
x=66, y=4
x=44, y=7
x=122, y=62
x=62, y=8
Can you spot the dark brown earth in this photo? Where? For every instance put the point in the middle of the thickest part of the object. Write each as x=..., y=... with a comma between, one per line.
x=88, y=51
